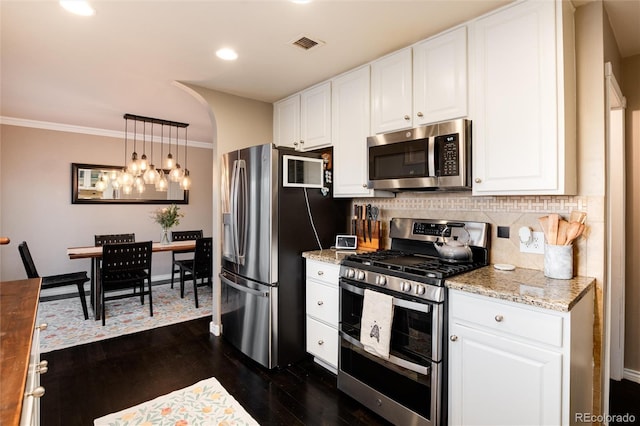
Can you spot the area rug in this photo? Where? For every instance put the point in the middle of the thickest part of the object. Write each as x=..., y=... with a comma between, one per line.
x=204, y=403
x=67, y=326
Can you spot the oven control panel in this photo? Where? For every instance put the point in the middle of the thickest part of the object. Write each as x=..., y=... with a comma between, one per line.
x=392, y=283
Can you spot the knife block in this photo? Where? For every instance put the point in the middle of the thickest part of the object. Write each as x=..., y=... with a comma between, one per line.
x=367, y=240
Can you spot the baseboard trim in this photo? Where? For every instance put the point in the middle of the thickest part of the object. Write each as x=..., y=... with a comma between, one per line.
x=632, y=375
x=215, y=329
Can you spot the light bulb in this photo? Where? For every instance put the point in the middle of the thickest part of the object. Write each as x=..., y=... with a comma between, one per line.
x=185, y=183
x=176, y=174
x=169, y=163
x=126, y=178
x=134, y=165
x=144, y=164
x=150, y=175
x=162, y=184
x=127, y=189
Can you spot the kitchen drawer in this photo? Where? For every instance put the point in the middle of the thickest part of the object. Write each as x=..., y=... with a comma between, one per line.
x=322, y=271
x=506, y=317
x=322, y=302
x=322, y=341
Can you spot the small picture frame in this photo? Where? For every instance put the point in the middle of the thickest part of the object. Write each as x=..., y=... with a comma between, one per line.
x=346, y=242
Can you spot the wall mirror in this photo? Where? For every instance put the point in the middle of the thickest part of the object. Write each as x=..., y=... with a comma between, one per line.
x=98, y=184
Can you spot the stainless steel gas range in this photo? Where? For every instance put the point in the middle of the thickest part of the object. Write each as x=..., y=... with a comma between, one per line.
x=410, y=386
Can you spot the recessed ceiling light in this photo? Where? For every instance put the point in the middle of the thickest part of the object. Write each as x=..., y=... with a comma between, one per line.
x=78, y=7
x=227, y=54
x=301, y=1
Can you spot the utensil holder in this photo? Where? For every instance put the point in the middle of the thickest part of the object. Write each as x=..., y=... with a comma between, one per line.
x=558, y=261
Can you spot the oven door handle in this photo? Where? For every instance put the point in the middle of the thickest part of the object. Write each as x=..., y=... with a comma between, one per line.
x=420, y=369
x=414, y=306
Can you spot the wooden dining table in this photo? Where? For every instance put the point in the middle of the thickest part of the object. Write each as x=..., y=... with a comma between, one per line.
x=95, y=253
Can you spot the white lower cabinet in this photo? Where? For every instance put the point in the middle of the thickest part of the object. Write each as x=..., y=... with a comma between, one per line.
x=514, y=364
x=322, y=312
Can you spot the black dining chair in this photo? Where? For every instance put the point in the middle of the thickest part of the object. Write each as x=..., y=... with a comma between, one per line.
x=126, y=265
x=198, y=268
x=182, y=236
x=100, y=240
x=51, y=281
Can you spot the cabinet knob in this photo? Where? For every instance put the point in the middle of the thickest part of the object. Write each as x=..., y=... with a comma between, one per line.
x=301, y=142
x=42, y=366
x=477, y=180
x=321, y=342
x=419, y=114
x=320, y=303
x=499, y=318
x=295, y=143
x=37, y=392
x=320, y=272
x=407, y=118
x=364, y=185
x=453, y=338
x=42, y=326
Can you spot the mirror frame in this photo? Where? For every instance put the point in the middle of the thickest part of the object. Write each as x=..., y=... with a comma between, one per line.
x=75, y=167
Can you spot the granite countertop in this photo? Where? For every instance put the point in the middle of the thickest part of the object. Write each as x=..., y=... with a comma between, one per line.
x=329, y=255
x=526, y=286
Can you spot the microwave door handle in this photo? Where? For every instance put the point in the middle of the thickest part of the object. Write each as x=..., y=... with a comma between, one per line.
x=432, y=156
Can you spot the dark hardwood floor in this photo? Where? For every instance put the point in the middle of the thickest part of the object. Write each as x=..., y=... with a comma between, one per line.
x=624, y=402
x=89, y=381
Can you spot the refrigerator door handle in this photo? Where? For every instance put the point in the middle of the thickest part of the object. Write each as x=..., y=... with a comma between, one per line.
x=239, y=210
x=242, y=173
x=242, y=288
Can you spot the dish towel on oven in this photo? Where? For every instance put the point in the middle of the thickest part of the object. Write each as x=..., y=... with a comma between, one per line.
x=375, y=330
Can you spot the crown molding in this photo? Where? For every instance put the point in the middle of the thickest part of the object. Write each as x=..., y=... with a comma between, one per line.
x=59, y=127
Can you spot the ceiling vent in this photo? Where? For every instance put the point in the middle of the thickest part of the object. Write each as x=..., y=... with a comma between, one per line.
x=306, y=43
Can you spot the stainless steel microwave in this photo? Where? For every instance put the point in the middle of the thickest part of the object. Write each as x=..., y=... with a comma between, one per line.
x=432, y=157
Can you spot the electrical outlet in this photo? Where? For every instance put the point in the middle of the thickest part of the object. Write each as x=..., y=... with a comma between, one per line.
x=536, y=245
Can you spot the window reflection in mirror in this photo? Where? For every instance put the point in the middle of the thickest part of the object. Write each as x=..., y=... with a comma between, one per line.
x=95, y=184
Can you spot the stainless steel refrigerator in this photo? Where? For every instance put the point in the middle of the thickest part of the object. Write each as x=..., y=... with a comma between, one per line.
x=273, y=209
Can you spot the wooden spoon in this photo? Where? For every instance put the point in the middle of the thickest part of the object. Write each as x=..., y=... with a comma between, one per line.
x=573, y=232
x=544, y=223
x=563, y=226
x=554, y=218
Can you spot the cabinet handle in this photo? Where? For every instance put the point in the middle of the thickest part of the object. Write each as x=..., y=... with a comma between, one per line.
x=321, y=342
x=407, y=118
x=499, y=318
x=320, y=272
x=37, y=392
x=42, y=326
x=477, y=180
x=320, y=303
x=42, y=367
x=419, y=114
x=453, y=338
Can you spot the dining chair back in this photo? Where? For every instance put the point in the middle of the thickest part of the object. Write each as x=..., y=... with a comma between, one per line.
x=51, y=281
x=100, y=240
x=126, y=265
x=182, y=236
x=198, y=268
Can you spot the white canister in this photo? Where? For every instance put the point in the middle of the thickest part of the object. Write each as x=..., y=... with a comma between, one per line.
x=558, y=261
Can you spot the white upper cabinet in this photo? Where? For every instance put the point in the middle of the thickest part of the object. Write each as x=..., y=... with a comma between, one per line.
x=423, y=84
x=440, y=78
x=391, y=92
x=523, y=100
x=303, y=121
x=350, y=111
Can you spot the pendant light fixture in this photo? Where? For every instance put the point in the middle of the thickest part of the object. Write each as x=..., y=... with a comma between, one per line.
x=185, y=183
x=140, y=172
x=151, y=175
x=176, y=173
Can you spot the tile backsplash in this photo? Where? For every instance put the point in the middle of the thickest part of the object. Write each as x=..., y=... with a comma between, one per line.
x=509, y=211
